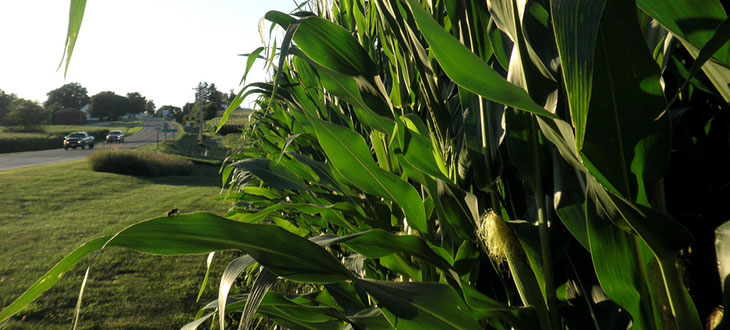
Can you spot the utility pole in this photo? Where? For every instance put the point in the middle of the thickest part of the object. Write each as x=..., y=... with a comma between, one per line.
x=200, y=111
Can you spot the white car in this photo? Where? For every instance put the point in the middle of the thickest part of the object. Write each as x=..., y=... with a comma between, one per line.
x=115, y=136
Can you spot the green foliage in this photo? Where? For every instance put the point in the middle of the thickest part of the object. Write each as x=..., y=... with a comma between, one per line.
x=210, y=110
x=135, y=103
x=26, y=113
x=138, y=163
x=17, y=142
x=5, y=101
x=149, y=107
x=71, y=95
x=392, y=128
x=187, y=146
x=107, y=105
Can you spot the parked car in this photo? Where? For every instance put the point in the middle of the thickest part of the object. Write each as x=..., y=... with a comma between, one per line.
x=78, y=139
x=115, y=136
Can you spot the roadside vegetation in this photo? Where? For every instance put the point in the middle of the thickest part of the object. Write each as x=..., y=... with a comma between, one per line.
x=126, y=289
x=131, y=162
x=186, y=145
x=51, y=136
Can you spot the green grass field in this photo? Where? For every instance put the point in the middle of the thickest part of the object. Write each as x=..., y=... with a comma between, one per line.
x=47, y=211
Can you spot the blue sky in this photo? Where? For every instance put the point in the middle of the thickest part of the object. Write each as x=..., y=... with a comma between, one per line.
x=159, y=48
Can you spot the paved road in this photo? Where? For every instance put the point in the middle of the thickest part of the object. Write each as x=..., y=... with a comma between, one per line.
x=32, y=158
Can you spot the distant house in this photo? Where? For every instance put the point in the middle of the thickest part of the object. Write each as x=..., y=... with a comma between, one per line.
x=86, y=110
x=68, y=116
x=163, y=113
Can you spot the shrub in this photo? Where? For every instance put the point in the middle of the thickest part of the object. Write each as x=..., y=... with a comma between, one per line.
x=139, y=163
x=17, y=142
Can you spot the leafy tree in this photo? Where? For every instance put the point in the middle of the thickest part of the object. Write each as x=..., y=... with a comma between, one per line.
x=209, y=93
x=173, y=111
x=210, y=110
x=26, y=114
x=107, y=105
x=149, y=108
x=135, y=103
x=5, y=101
x=230, y=97
x=71, y=95
x=188, y=108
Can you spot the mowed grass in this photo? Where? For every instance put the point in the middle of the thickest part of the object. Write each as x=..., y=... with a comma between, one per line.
x=48, y=211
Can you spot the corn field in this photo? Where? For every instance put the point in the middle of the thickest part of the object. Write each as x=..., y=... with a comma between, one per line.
x=494, y=164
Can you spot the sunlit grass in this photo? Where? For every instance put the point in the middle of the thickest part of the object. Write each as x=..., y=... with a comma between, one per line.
x=47, y=211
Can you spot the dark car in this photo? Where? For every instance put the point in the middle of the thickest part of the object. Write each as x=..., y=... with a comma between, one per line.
x=78, y=139
x=115, y=136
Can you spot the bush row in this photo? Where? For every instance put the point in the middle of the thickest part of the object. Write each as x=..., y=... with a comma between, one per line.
x=131, y=162
x=17, y=142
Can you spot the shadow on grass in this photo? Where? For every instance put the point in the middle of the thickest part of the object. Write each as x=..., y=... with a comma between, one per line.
x=202, y=176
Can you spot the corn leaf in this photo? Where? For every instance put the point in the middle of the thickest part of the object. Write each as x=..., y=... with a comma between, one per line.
x=51, y=277
x=274, y=175
x=331, y=46
x=351, y=156
x=420, y=305
x=694, y=25
x=626, y=139
x=468, y=70
x=75, y=17
x=230, y=274
x=575, y=24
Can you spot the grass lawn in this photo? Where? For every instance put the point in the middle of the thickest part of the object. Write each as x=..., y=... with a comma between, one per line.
x=47, y=211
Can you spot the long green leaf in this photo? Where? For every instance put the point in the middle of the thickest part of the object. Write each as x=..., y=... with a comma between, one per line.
x=377, y=243
x=575, y=24
x=625, y=140
x=75, y=17
x=690, y=21
x=694, y=25
x=272, y=174
x=468, y=70
x=283, y=253
x=230, y=274
x=718, y=40
x=250, y=59
x=51, y=277
x=333, y=47
x=615, y=260
x=420, y=305
x=208, y=263
x=260, y=287
x=350, y=155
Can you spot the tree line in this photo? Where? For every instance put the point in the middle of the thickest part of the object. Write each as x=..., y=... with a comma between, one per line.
x=106, y=105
